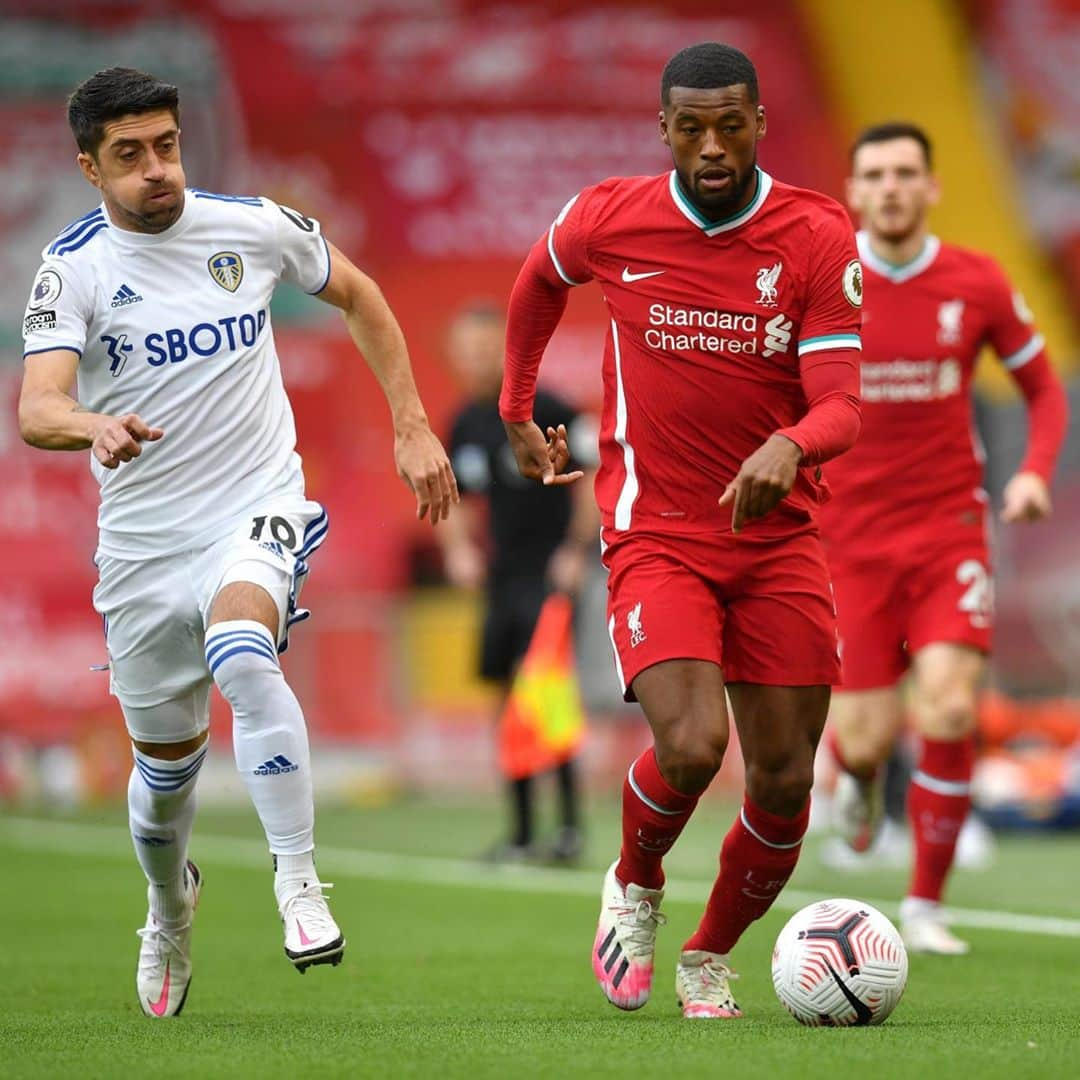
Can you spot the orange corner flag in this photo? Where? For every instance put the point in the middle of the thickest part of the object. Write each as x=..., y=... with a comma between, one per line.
x=543, y=723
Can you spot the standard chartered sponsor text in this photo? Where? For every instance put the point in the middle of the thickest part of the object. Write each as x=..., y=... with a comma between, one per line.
x=708, y=319
x=663, y=318
x=911, y=380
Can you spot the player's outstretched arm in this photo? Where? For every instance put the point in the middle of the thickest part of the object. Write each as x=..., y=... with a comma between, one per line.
x=51, y=419
x=420, y=458
x=1027, y=494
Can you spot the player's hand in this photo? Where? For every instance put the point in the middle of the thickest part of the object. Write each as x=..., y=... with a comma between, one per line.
x=423, y=465
x=465, y=567
x=764, y=478
x=1027, y=498
x=119, y=438
x=539, y=458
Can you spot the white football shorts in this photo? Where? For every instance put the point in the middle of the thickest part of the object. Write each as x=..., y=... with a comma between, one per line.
x=156, y=610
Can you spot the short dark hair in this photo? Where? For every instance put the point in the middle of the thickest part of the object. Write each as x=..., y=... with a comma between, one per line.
x=706, y=66
x=112, y=93
x=895, y=129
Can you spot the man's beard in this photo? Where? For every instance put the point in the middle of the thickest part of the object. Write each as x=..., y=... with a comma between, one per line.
x=716, y=209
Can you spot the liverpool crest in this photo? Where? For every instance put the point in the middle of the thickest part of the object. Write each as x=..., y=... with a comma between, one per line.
x=767, y=277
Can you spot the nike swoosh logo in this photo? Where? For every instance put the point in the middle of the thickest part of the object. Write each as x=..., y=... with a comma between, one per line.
x=304, y=939
x=863, y=1015
x=158, y=1007
x=628, y=277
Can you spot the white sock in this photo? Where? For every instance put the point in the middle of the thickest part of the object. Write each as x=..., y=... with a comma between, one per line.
x=917, y=907
x=292, y=873
x=161, y=810
x=269, y=734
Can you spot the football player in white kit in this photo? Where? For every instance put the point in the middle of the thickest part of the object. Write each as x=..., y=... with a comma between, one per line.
x=157, y=304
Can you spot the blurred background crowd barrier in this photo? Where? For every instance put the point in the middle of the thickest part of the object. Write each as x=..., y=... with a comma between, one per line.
x=435, y=140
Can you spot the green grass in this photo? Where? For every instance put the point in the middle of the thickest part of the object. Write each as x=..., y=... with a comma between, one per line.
x=487, y=980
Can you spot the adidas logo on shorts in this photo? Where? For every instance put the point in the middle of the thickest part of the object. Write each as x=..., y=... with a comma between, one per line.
x=275, y=766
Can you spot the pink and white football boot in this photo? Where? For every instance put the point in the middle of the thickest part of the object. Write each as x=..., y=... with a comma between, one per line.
x=163, y=975
x=622, y=954
x=311, y=935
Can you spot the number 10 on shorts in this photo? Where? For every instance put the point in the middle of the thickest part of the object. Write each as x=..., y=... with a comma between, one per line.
x=280, y=530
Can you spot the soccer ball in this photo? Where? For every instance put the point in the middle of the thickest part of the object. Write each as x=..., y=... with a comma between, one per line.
x=839, y=963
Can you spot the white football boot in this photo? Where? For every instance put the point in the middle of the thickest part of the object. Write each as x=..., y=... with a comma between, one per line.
x=311, y=935
x=163, y=975
x=858, y=807
x=924, y=930
x=701, y=986
x=622, y=953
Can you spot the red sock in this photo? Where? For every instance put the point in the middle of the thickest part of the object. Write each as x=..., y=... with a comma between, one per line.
x=654, y=814
x=759, y=854
x=938, y=801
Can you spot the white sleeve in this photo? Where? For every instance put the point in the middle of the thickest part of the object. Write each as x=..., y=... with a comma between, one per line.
x=58, y=311
x=305, y=258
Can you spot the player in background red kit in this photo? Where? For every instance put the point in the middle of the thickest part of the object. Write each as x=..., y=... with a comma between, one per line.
x=730, y=373
x=906, y=530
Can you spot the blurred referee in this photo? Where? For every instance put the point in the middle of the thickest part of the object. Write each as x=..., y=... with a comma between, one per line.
x=534, y=540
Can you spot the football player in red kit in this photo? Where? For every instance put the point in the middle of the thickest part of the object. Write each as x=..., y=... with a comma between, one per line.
x=730, y=373
x=906, y=529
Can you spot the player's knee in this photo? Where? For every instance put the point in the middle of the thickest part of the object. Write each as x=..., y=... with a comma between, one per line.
x=781, y=787
x=866, y=752
x=170, y=751
x=241, y=657
x=159, y=781
x=949, y=715
x=690, y=756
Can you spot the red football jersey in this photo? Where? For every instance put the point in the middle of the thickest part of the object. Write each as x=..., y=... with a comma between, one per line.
x=708, y=321
x=917, y=468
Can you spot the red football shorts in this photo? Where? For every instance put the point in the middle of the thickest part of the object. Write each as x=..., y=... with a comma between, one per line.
x=888, y=611
x=759, y=606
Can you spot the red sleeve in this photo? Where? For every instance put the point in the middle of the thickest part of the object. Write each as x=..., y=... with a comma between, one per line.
x=1022, y=351
x=832, y=317
x=831, y=425
x=557, y=261
x=1010, y=324
x=1048, y=414
x=537, y=302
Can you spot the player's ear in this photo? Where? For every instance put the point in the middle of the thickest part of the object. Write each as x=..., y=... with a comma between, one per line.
x=933, y=192
x=89, y=168
x=762, y=126
x=663, y=128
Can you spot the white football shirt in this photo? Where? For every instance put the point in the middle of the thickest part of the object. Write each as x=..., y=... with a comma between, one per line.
x=176, y=327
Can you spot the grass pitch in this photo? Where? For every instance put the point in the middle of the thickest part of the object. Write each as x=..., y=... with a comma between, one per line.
x=454, y=970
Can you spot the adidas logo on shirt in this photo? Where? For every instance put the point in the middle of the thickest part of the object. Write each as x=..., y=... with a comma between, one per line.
x=125, y=295
x=275, y=766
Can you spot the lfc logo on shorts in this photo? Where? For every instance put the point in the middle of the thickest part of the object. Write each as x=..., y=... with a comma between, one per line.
x=227, y=269
x=633, y=624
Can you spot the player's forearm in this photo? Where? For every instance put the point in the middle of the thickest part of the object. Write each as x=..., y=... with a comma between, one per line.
x=377, y=335
x=833, y=418
x=536, y=306
x=52, y=420
x=1048, y=415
